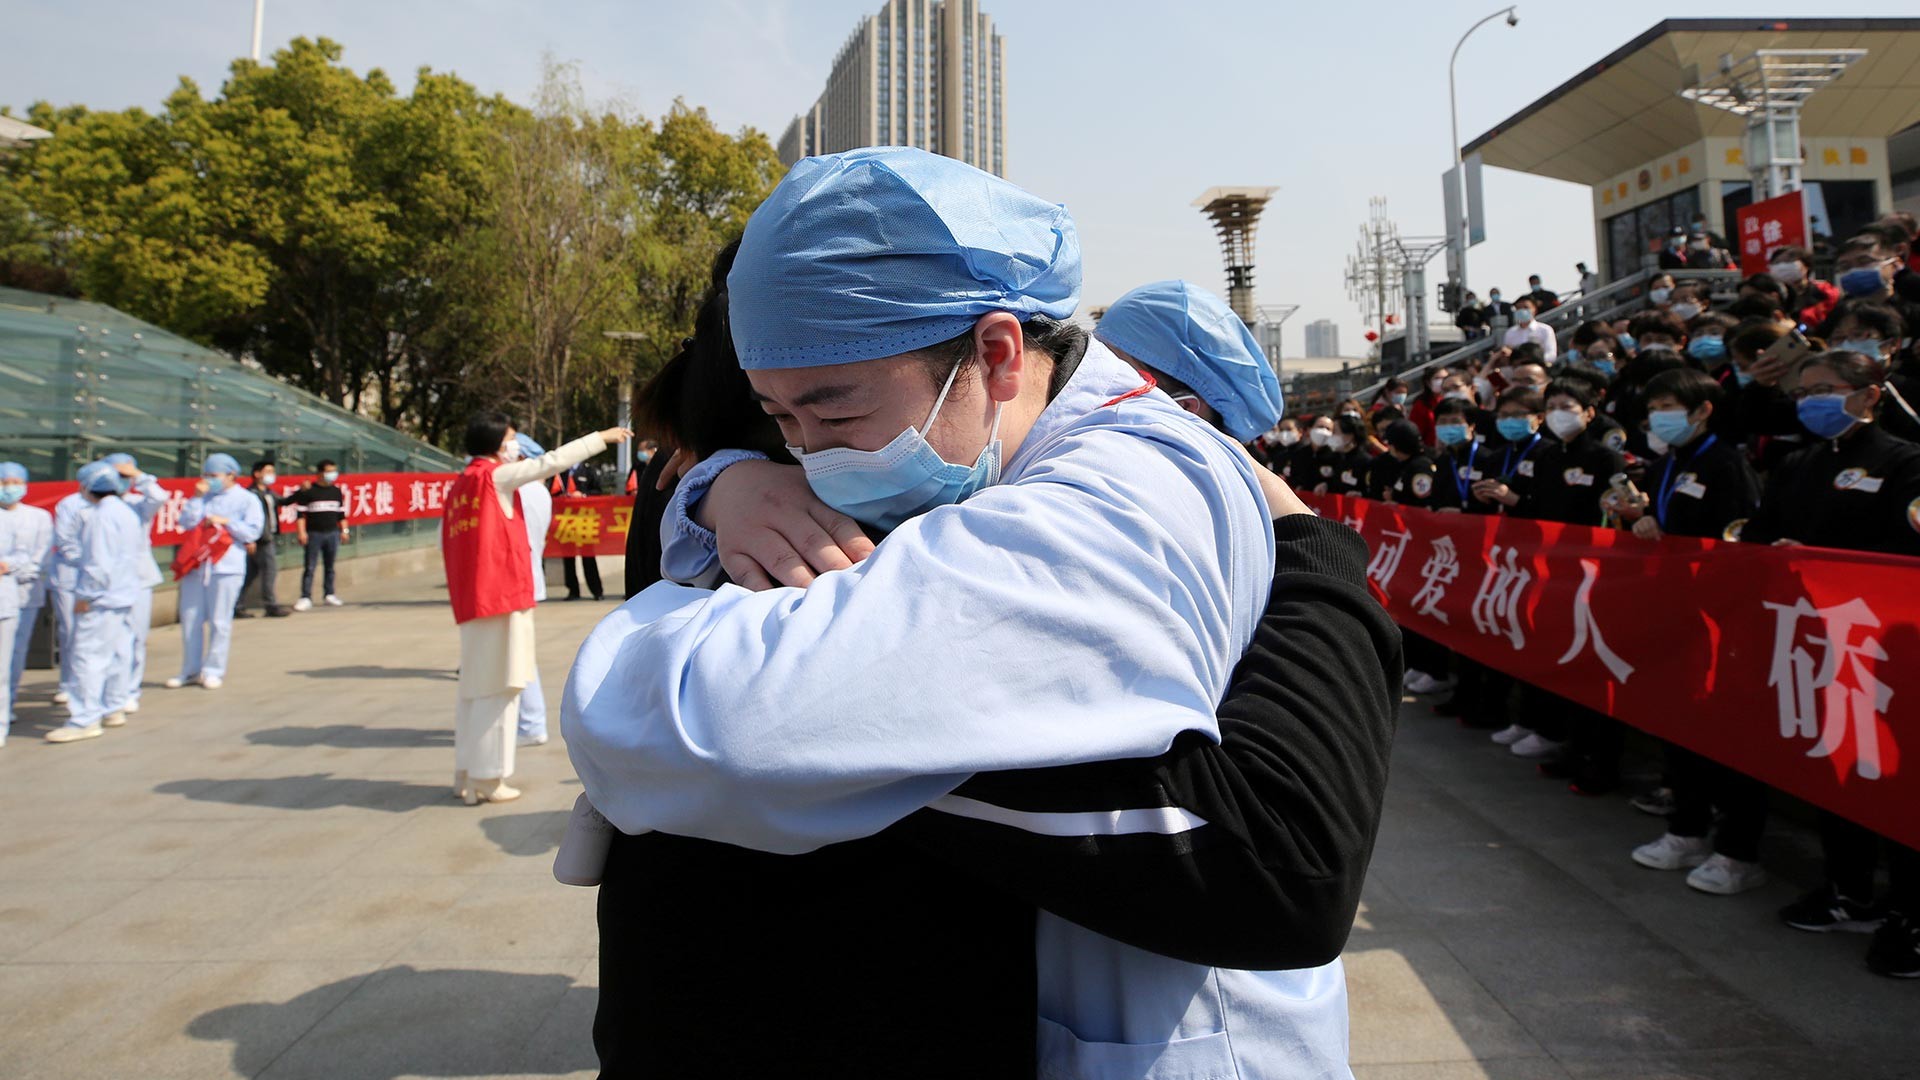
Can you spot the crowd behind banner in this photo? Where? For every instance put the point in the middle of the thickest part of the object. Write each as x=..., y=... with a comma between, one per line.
x=1700, y=520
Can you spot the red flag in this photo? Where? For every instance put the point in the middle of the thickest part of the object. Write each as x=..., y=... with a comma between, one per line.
x=204, y=543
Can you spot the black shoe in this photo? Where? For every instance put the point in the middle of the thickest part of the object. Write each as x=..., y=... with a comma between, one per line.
x=278, y=612
x=245, y=615
x=1824, y=910
x=597, y=597
x=1658, y=802
x=573, y=596
x=1895, y=951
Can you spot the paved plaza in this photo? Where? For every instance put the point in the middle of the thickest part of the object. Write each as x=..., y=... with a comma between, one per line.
x=273, y=880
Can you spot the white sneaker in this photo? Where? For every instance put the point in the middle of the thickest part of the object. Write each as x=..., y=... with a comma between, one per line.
x=60, y=697
x=303, y=604
x=1537, y=748
x=1672, y=852
x=333, y=601
x=211, y=682
x=1511, y=734
x=176, y=682
x=117, y=718
x=1419, y=682
x=1722, y=876
x=132, y=707
x=533, y=740
x=70, y=733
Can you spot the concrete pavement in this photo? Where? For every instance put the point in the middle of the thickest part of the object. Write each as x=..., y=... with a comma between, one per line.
x=273, y=880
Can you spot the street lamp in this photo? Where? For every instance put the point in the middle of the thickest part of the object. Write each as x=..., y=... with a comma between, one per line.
x=1454, y=228
x=623, y=454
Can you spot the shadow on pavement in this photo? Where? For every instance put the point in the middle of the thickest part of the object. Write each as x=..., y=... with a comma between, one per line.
x=316, y=791
x=529, y=834
x=352, y=737
x=370, y=671
x=403, y=1021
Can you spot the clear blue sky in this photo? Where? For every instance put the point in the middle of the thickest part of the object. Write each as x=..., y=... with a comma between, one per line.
x=1124, y=110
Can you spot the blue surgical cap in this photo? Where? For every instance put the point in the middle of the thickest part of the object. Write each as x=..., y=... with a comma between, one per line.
x=1191, y=334
x=881, y=251
x=13, y=470
x=99, y=478
x=220, y=463
x=120, y=459
x=527, y=445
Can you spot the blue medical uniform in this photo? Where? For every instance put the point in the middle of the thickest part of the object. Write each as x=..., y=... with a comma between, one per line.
x=145, y=499
x=26, y=546
x=60, y=583
x=105, y=550
x=208, y=593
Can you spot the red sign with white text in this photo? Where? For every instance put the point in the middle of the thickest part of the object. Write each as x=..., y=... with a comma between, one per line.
x=1799, y=667
x=1769, y=225
x=371, y=499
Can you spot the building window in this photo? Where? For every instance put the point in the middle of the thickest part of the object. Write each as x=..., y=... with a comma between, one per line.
x=1636, y=235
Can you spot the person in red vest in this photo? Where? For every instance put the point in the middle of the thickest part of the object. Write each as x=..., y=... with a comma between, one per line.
x=490, y=581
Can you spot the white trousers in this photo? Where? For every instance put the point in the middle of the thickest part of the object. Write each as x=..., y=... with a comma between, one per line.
x=206, y=622
x=483, y=735
x=11, y=628
x=533, y=708
x=141, y=615
x=101, y=637
x=61, y=600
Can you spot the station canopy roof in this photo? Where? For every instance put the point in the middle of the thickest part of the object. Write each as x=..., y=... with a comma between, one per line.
x=1627, y=110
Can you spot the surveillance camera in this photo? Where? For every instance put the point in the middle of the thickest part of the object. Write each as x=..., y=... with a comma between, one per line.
x=1513, y=19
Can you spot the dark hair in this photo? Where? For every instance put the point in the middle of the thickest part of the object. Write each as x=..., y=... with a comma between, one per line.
x=1885, y=234
x=1352, y=425
x=1403, y=436
x=324, y=464
x=1749, y=340
x=486, y=431
x=700, y=400
x=258, y=465
x=1590, y=378
x=1525, y=396
x=1527, y=352
x=1904, y=219
x=1855, y=369
x=1166, y=382
x=1577, y=389
x=1453, y=406
x=1657, y=322
x=1688, y=386
x=1755, y=306
x=1874, y=315
x=1710, y=320
x=1524, y=298
x=1765, y=284
x=1790, y=253
x=1064, y=343
x=1591, y=331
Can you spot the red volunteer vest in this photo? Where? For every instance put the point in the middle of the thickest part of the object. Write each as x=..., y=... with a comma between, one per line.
x=489, y=564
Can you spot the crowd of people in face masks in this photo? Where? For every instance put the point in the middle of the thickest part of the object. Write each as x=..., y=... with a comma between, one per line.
x=91, y=561
x=1788, y=414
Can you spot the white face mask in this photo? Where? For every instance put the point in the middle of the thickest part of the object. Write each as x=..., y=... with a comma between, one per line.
x=1566, y=423
x=1319, y=436
x=510, y=451
x=1434, y=385
x=267, y=479
x=330, y=476
x=1787, y=273
x=1686, y=309
x=1339, y=444
x=1289, y=438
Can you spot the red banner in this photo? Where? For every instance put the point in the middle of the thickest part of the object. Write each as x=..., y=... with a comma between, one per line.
x=1797, y=666
x=371, y=499
x=589, y=525
x=1769, y=225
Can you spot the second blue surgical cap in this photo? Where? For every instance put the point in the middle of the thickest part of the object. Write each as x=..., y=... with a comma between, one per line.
x=220, y=463
x=528, y=447
x=881, y=251
x=1191, y=334
x=13, y=470
x=99, y=478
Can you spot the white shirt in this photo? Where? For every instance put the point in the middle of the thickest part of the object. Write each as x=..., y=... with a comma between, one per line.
x=1537, y=332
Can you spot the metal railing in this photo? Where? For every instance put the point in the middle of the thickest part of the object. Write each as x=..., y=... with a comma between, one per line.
x=1618, y=299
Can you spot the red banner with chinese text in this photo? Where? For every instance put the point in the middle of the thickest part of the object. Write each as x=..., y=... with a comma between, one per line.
x=1797, y=666
x=1767, y=226
x=589, y=525
x=371, y=499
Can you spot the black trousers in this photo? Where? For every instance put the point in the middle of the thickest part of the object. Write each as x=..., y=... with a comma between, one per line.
x=593, y=576
x=1852, y=852
x=1484, y=694
x=263, y=565
x=1699, y=786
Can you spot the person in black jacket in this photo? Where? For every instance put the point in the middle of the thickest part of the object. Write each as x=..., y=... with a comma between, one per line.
x=263, y=560
x=1343, y=471
x=1701, y=486
x=1855, y=489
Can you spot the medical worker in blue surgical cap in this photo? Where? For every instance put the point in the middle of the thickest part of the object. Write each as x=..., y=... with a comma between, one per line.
x=1072, y=571
x=143, y=495
x=104, y=548
x=26, y=552
x=1199, y=352
x=208, y=592
x=60, y=578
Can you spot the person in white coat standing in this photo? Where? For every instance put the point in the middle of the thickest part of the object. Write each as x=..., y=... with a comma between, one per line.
x=207, y=594
x=536, y=506
x=104, y=547
x=60, y=578
x=26, y=545
x=143, y=495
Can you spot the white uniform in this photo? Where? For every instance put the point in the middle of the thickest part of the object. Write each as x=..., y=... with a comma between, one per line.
x=145, y=500
x=1090, y=607
x=26, y=546
x=60, y=584
x=207, y=595
x=536, y=505
x=105, y=548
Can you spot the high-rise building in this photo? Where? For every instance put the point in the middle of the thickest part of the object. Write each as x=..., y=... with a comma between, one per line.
x=1323, y=338
x=925, y=73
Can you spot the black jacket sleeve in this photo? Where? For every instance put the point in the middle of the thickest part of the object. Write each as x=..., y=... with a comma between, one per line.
x=643, y=528
x=1256, y=848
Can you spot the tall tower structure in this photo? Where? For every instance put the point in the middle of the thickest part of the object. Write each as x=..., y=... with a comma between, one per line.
x=1235, y=213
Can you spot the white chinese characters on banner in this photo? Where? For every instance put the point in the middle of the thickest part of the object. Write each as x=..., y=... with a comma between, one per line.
x=1496, y=605
x=1797, y=676
x=383, y=498
x=1386, y=559
x=167, y=520
x=1440, y=570
x=1586, y=629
